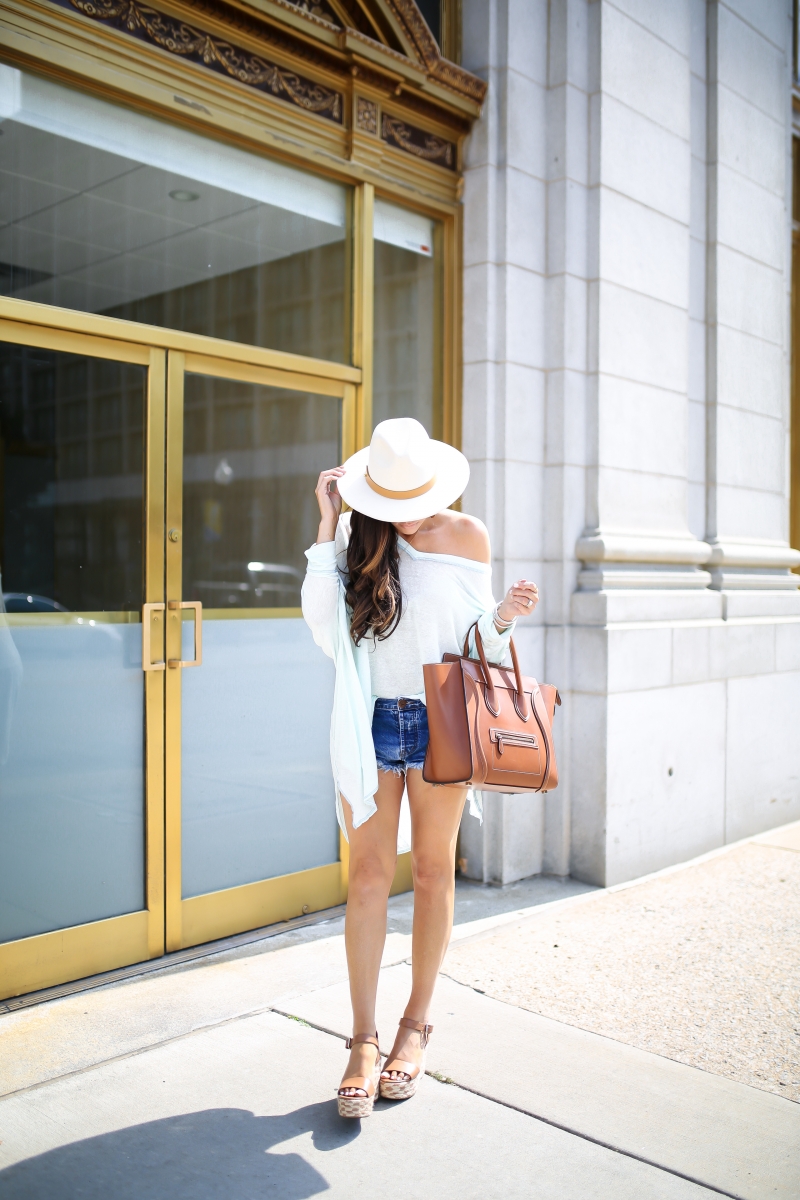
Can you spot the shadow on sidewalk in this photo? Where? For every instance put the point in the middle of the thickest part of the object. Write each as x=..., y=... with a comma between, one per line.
x=219, y=1154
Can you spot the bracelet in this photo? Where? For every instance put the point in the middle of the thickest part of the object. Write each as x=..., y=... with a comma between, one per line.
x=499, y=621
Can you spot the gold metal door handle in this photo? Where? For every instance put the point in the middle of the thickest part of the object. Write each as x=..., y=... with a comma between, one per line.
x=147, y=653
x=197, y=661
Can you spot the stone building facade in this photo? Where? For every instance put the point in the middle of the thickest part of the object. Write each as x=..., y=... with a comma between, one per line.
x=238, y=233
x=627, y=286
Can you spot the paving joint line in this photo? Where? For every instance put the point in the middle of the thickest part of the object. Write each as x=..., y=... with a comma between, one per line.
x=607, y=1037
x=243, y=1016
x=341, y=1037
x=178, y=1037
x=586, y=1137
x=116, y=1058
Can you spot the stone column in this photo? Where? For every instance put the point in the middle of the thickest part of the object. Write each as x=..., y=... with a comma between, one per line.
x=637, y=548
x=505, y=42
x=748, y=308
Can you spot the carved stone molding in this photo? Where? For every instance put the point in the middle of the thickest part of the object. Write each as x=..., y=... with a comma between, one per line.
x=195, y=45
x=417, y=142
x=367, y=115
x=641, y=546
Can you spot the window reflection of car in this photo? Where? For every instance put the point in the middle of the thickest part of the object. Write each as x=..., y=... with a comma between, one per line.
x=28, y=602
x=252, y=585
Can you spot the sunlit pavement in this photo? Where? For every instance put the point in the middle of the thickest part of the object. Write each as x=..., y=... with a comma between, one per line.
x=217, y=1078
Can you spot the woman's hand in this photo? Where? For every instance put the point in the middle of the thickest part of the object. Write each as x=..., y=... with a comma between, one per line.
x=330, y=504
x=520, y=600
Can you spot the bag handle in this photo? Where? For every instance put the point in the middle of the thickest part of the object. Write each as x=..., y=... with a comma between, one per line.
x=520, y=698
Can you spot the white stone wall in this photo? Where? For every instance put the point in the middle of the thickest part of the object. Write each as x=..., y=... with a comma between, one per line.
x=626, y=414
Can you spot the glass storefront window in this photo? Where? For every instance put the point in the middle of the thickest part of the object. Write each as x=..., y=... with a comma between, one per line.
x=252, y=456
x=257, y=797
x=71, y=682
x=109, y=211
x=71, y=444
x=408, y=318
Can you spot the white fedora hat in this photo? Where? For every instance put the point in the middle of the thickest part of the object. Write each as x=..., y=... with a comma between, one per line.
x=403, y=475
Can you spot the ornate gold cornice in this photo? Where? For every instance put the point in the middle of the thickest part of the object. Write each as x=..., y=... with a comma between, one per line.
x=428, y=55
x=318, y=10
x=417, y=142
x=459, y=80
x=412, y=19
x=448, y=73
x=358, y=78
x=197, y=45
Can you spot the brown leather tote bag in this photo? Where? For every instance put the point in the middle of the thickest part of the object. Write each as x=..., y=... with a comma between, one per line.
x=490, y=727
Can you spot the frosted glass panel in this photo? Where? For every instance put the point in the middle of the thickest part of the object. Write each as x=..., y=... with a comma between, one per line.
x=257, y=790
x=71, y=775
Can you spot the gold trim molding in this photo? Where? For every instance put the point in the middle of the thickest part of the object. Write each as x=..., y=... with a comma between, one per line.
x=196, y=45
x=417, y=141
x=439, y=68
x=55, y=38
x=367, y=115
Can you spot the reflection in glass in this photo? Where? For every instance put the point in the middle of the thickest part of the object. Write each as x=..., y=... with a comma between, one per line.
x=407, y=335
x=109, y=211
x=71, y=444
x=71, y=698
x=252, y=456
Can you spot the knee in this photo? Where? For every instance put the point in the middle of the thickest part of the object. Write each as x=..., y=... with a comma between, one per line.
x=432, y=873
x=369, y=876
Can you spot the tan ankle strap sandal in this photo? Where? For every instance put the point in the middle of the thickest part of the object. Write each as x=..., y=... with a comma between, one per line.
x=360, y=1106
x=404, y=1087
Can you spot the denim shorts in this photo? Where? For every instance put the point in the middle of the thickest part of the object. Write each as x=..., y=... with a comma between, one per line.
x=400, y=734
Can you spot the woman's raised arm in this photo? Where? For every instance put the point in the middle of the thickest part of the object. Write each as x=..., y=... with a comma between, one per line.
x=330, y=504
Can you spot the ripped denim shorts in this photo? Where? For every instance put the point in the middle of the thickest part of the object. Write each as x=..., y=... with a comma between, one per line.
x=400, y=734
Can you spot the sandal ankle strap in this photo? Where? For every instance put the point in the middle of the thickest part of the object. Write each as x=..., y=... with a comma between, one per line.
x=359, y=1039
x=424, y=1030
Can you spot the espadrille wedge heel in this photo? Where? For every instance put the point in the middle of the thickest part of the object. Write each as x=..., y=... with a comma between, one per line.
x=404, y=1088
x=360, y=1106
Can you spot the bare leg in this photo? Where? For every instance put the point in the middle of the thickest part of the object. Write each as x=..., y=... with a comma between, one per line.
x=435, y=817
x=373, y=858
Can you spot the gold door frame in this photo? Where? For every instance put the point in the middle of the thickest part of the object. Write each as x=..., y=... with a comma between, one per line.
x=169, y=922
x=28, y=964
x=217, y=914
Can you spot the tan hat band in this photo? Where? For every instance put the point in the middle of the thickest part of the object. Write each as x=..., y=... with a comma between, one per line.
x=409, y=495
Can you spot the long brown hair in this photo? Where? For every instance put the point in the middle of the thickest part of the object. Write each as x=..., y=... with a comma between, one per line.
x=373, y=590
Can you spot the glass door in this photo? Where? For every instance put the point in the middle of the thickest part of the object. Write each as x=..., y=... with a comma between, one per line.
x=251, y=833
x=81, y=744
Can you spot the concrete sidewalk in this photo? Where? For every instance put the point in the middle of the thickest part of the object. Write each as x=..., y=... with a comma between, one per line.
x=216, y=1079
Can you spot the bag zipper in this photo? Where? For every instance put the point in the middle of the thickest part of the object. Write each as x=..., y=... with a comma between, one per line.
x=512, y=738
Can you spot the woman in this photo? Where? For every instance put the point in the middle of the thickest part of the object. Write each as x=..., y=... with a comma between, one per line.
x=397, y=583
